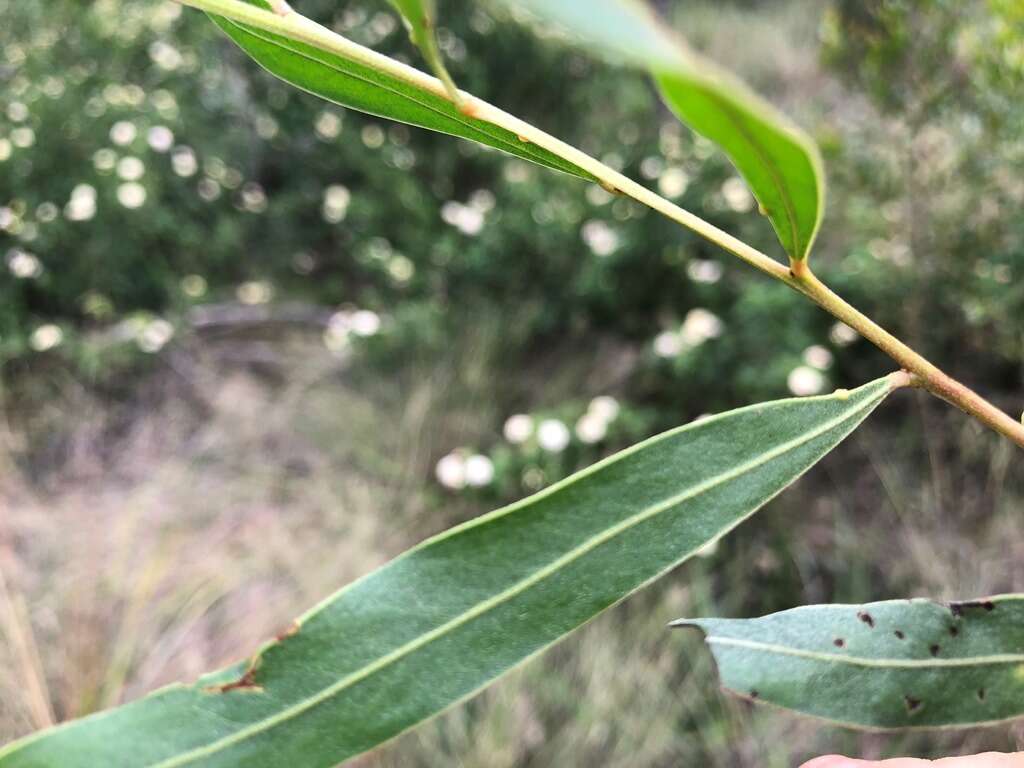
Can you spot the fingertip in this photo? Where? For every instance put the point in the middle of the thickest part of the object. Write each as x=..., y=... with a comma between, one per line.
x=832, y=761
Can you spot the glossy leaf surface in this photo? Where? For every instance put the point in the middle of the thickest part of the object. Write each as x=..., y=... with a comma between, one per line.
x=440, y=622
x=355, y=82
x=777, y=159
x=893, y=664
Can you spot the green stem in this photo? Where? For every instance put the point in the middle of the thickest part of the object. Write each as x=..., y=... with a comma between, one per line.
x=799, y=277
x=925, y=374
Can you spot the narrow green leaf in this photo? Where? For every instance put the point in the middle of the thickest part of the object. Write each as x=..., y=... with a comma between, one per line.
x=443, y=620
x=778, y=160
x=420, y=16
x=894, y=664
x=355, y=83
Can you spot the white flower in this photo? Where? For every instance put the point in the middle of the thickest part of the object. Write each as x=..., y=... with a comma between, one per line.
x=842, y=335
x=327, y=125
x=479, y=471
x=155, y=335
x=122, y=133
x=17, y=111
x=23, y=137
x=605, y=406
x=254, y=292
x=23, y=264
x=736, y=195
x=365, y=322
x=599, y=237
x=46, y=337
x=699, y=326
x=254, y=199
x=553, y=435
x=336, y=200
x=465, y=218
x=164, y=55
x=518, y=428
x=804, y=380
x=673, y=182
x=160, y=138
x=130, y=168
x=818, y=357
x=704, y=270
x=82, y=205
x=183, y=161
x=131, y=195
x=451, y=471
x=668, y=344
x=591, y=428
x=372, y=136
x=193, y=286
x=482, y=200
x=336, y=338
x=104, y=159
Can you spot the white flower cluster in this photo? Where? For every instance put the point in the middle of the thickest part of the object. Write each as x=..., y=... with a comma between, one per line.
x=460, y=469
x=349, y=322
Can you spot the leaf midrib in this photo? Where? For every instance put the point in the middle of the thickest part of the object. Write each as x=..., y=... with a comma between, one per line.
x=336, y=688
x=862, y=661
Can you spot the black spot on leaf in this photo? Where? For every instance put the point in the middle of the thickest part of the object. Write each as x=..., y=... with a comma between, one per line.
x=867, y=618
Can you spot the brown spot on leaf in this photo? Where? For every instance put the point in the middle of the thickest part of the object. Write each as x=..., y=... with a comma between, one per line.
x=899, y=634
x=754, y=694
x=867, y=618
x=839, y=642
x=912, y=704
x=291, y=631
x=246, y=682
x=954, y=631
x=958, y=609
x=934, y=649
x=981, y=694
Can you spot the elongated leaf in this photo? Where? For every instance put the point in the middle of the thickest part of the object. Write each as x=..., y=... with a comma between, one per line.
x=443, y=620
x=420, y=16
x=355, y=83
x=895, y=664
x=778, y=160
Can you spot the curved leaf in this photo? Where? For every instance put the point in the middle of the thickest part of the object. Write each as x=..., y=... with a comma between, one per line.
x=355, y=83
x=440, y=622
x=894, y=664
x=778, y=160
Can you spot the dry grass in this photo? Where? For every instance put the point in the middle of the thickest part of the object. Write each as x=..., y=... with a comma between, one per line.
x=177, y=541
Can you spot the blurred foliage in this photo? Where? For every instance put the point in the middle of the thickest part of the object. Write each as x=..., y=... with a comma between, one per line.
x=146, y=167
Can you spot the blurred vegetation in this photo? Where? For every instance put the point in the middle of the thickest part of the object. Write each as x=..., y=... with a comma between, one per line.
x=154, y=186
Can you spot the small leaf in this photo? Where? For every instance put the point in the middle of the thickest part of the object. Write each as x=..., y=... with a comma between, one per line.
x=437, y=624
x=778, y=160
x=420, y=16
x=355, y=82
x=894, y=664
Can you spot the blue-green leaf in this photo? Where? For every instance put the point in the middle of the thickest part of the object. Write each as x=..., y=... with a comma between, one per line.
x=894, y=664
x=440, y=622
